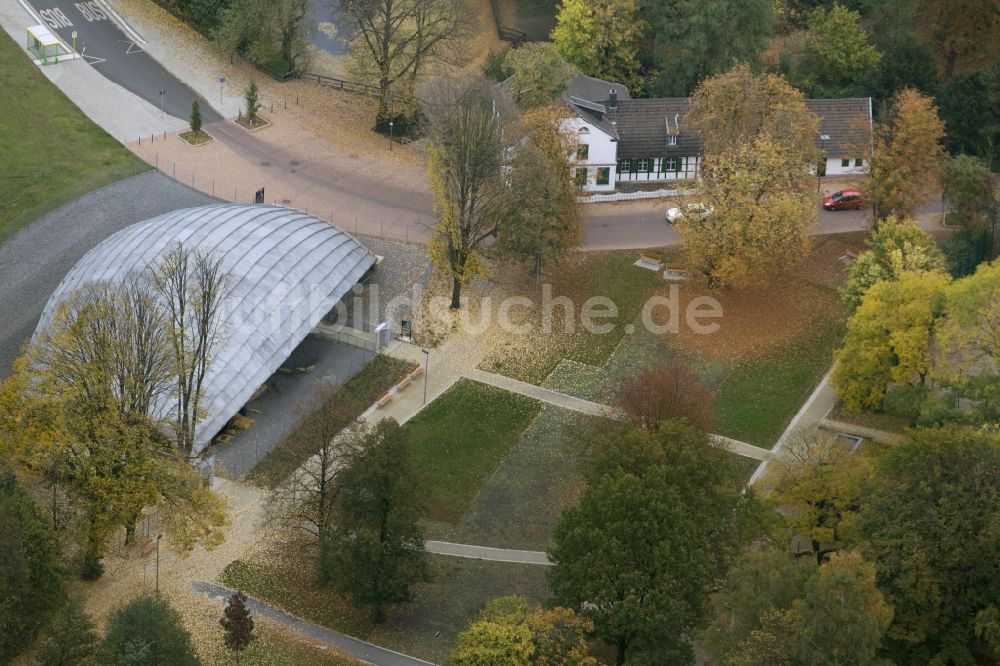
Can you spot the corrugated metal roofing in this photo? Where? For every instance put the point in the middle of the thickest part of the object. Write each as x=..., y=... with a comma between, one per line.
x=286, y=271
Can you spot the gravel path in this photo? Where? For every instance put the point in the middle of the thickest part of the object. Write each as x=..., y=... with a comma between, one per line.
x=34, y=261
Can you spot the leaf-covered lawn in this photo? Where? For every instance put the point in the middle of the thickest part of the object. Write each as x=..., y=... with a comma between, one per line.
x=51, y=152
x=583, y=276
x=459, y=439
x=425, y=628
x=355, y=396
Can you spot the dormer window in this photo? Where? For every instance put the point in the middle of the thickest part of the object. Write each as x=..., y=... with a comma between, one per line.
x=671, y=139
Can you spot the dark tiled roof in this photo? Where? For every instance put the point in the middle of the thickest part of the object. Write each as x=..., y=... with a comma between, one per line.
x=594, y=90
x=642, y=126
x=846, y=121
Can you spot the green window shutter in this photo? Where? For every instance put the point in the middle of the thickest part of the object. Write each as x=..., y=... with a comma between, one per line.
x=633, y=166
x=649, y=164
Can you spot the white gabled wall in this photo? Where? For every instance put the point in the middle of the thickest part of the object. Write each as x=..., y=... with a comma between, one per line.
x=602, y=152
x=835, y=166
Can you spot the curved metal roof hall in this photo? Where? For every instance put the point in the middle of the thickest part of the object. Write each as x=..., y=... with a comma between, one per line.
x=286, y=271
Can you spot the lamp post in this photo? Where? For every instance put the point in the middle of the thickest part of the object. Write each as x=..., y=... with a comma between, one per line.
x=222, y=81
x=162, y=95
x=390, y=135
x=823, y=139
x=427, y=356
x=158, y=537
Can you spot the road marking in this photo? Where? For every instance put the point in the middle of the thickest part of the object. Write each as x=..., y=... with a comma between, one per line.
x=132, y=47
x=55, y=18
x=91, y=60
x=90, y=11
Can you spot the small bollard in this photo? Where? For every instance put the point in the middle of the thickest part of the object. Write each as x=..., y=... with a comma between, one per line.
x=175, y=170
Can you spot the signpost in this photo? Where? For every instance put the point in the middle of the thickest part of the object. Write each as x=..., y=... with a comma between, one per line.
x=222, y=80
x=74, y=41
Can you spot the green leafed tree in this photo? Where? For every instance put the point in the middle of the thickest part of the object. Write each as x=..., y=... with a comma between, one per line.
x=379, y=554
x=148, y=630
x=689, y=41
x=970, y=340
x=888, y=339
x=540, y=74
x=195, y=123
x=971, y=191
x=931, y=520
x=895, y=247
x=759, y=582
x=70, y=639
x=600, y=38
x=829, y=615
x=30, y=585
x=657, y=522
x=839, y=54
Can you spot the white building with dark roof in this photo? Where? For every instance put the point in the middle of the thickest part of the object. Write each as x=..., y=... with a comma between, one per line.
x=622, y=139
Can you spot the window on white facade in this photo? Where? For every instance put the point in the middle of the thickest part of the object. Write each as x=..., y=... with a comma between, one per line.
x=581, y=176
x=668, y=164
x=582, y=151
x=584, y=130
x=859, y=162
x=603, y=176
x=845, y=163
x=622, y=166
x=643, y=165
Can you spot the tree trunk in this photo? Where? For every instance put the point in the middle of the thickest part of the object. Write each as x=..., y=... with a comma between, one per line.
x=622, y=645
x=456, y=294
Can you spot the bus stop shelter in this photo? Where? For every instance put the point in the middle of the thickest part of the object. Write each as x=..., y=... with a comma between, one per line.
x=44, y=46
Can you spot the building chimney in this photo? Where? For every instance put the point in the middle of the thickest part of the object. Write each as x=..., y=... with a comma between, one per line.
x=613, y=99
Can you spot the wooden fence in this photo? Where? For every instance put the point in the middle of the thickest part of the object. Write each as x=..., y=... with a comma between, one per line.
x=341, y=84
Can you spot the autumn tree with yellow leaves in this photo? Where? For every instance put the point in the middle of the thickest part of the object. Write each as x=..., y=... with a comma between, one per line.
x=758, y=147
x=76, y=415
x=888, y=339
x=468, y=156
x=907, y=159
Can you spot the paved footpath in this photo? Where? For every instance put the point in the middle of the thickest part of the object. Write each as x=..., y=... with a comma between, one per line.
x=357, y=648
x=487, y=553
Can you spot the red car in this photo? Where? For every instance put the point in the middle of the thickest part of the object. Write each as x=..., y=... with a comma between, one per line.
x=844, y=200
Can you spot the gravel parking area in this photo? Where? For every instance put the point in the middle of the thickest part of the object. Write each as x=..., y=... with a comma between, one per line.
x=34, y=261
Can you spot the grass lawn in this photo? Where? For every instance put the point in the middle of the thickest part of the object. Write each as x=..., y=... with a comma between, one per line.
x=758, y=398
x=459, y=439
x=520, y=501
x=354, y=397
x=52, y=153
x=460, y=588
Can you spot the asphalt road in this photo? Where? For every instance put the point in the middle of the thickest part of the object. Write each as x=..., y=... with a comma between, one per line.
x=642, y=224
x=118, y=56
